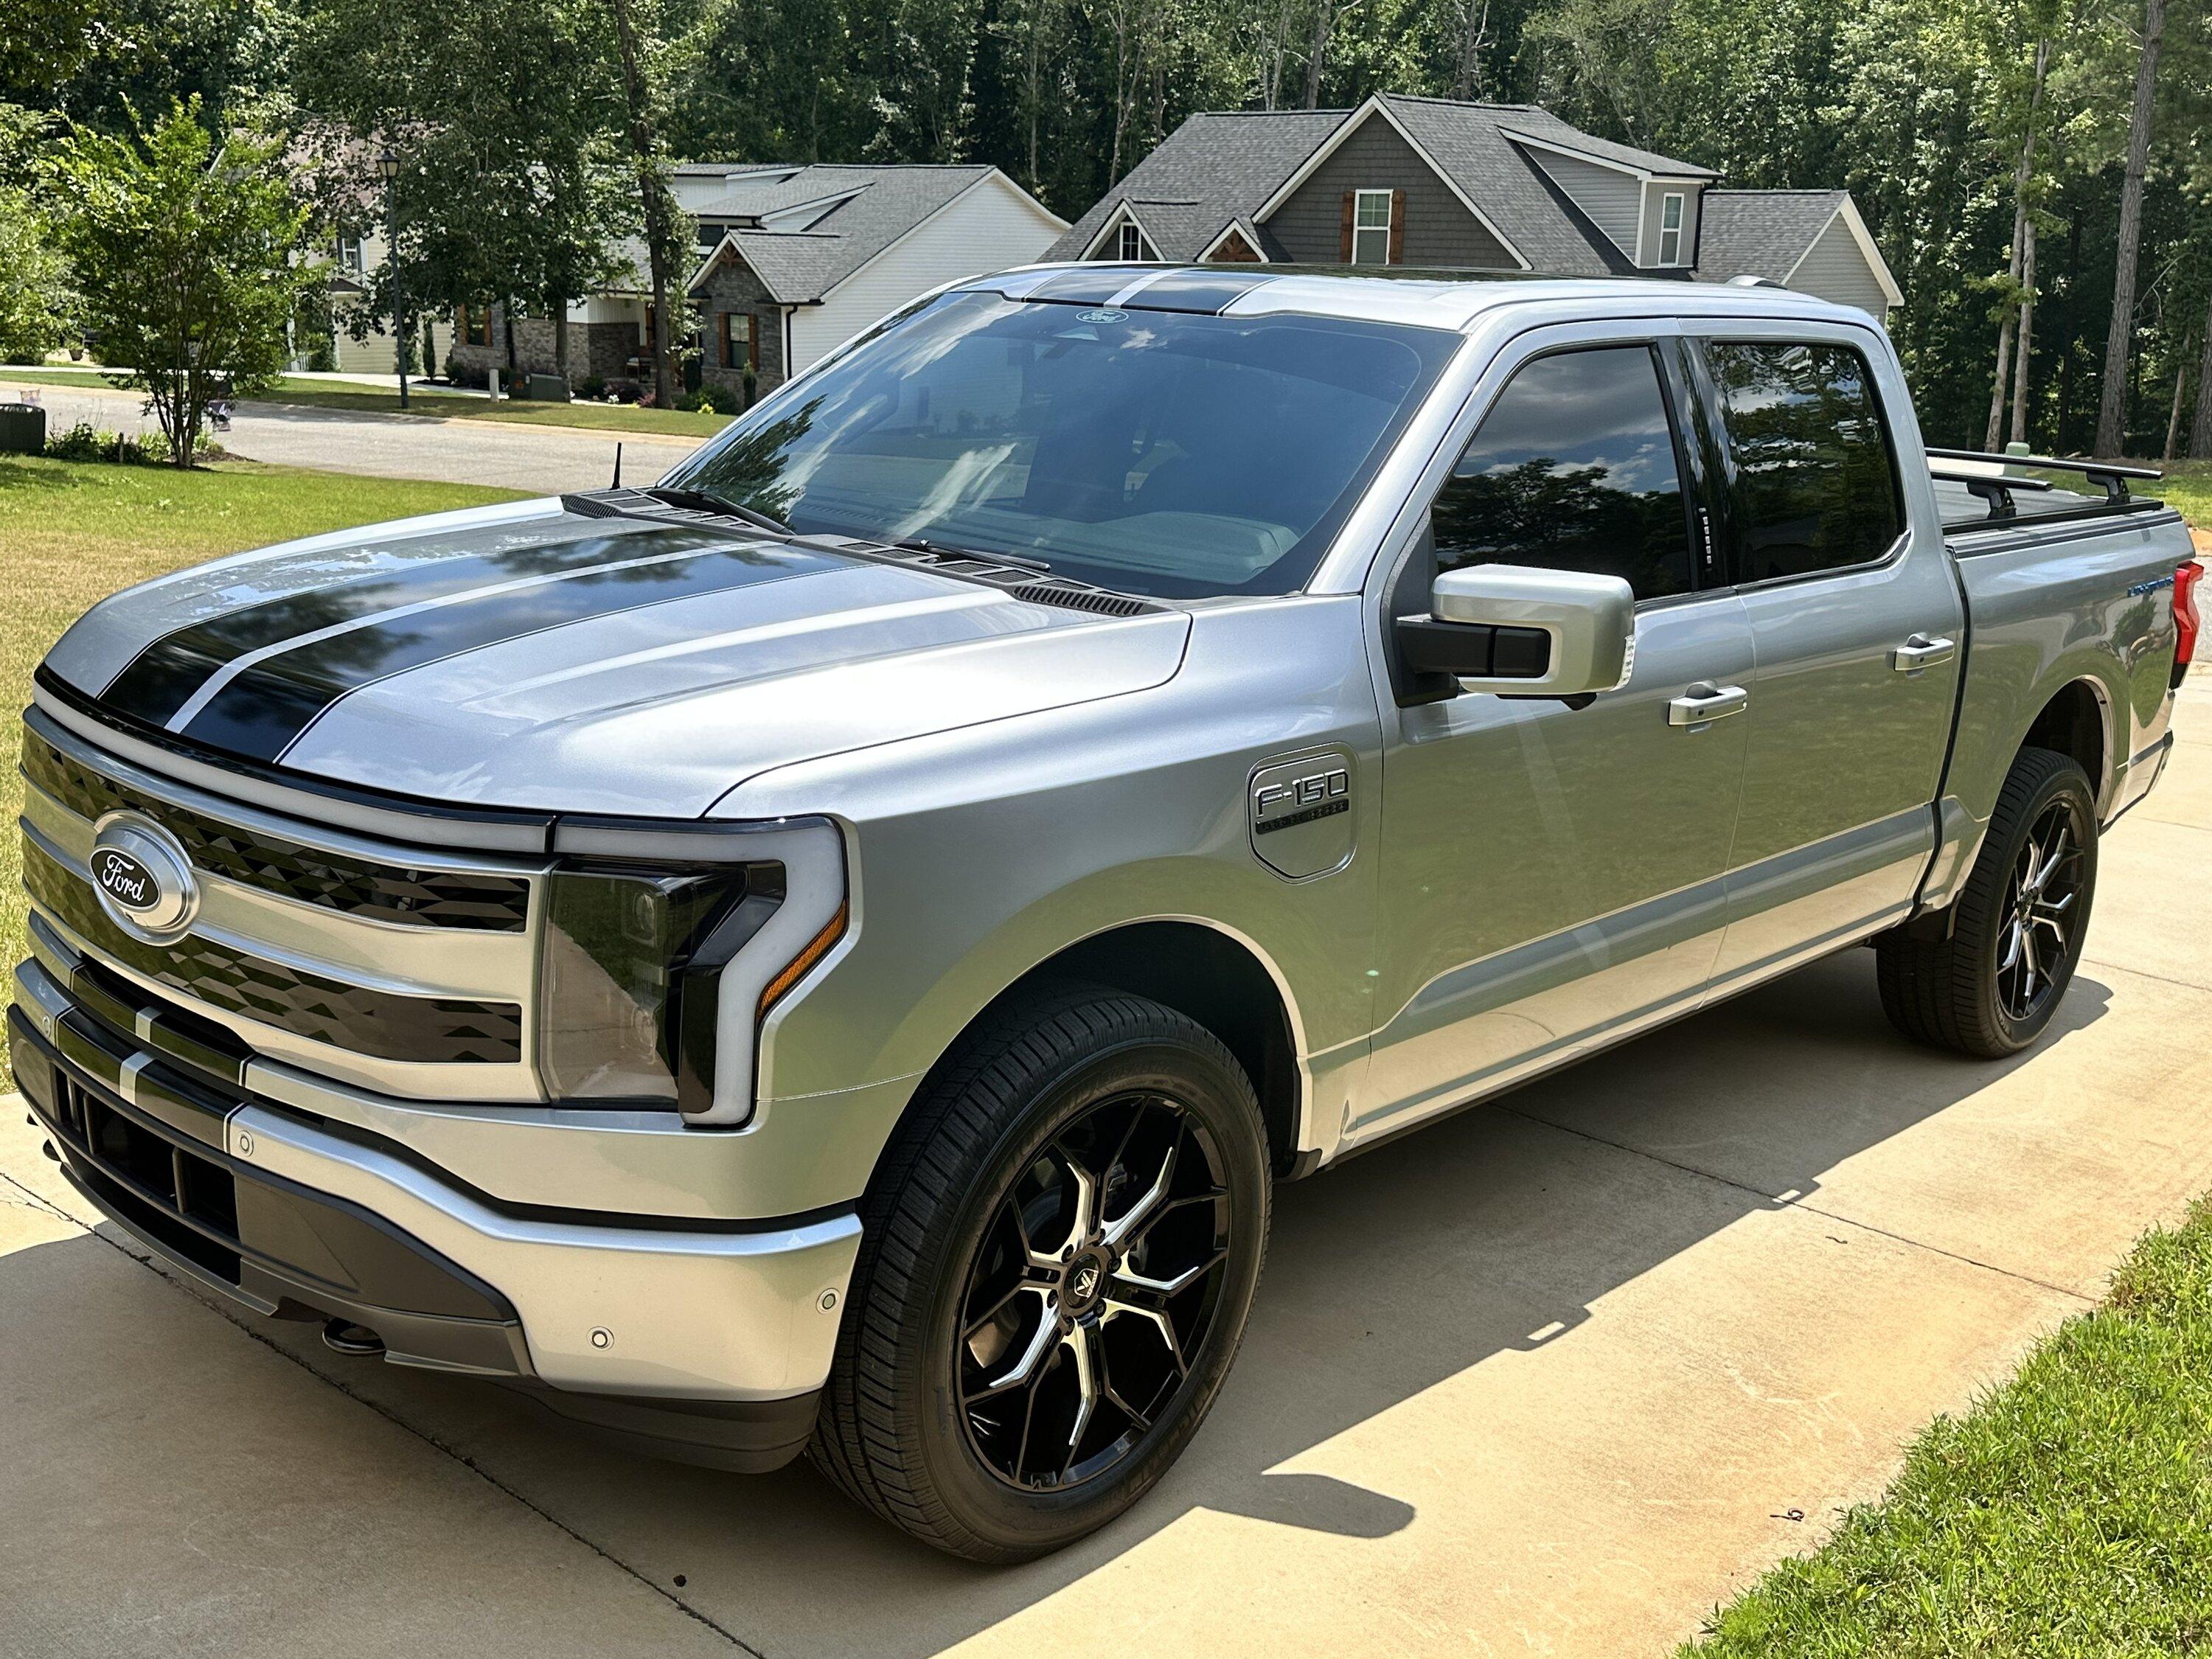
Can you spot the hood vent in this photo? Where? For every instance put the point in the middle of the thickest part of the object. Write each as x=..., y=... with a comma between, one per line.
x=1095, y=600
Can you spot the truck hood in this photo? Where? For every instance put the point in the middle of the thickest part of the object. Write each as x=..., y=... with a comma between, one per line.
x=532, y=656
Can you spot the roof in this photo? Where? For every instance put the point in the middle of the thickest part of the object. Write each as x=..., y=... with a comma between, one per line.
x=1762, y=232
x=1217, y=167
x=804, y=260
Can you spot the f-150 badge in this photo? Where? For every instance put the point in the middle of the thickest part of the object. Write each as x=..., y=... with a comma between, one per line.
x=1301, y=814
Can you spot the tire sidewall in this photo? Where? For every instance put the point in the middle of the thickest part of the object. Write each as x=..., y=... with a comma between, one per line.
x=1019, y=1522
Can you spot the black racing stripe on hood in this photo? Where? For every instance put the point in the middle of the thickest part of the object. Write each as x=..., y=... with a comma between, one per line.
x=268, y=707
x=1207, y=293
x=161, y=678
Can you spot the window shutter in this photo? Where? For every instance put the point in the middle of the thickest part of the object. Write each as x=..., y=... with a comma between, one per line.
x=1397, y=227
x=1346, y=255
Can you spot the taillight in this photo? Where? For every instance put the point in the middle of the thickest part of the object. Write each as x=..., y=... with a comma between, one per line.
x=2184, y=614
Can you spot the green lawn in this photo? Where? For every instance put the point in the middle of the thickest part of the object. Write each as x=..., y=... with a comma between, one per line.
x=2187, y=485
x=443, y=405
x=2069, y=1513
x=73, y=534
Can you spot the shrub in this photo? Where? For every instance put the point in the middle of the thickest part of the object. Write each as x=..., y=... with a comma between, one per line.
x=592, y=387
x=85, y=442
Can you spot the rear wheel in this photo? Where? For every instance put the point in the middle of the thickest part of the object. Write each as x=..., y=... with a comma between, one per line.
x=1991, y=986
x=1058, y=1261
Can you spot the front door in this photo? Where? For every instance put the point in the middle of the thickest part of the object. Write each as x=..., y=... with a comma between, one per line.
x=1857, y=620
x=1551, y=875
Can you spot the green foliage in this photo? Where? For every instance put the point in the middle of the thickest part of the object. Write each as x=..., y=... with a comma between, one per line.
x=2065, y=1515
x=185, y=252
x=33, y=276
x=85, y=442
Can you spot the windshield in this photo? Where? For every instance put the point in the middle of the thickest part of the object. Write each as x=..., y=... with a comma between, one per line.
x=1153, y=452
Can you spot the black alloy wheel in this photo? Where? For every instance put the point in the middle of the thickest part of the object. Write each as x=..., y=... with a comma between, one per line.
x=1099, y=1274
x=2036, y=945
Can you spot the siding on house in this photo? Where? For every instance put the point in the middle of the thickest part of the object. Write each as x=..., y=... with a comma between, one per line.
x=1610, y=197
x=1655, y=202
x=1439, y=230
x=988, y=228
x=1834, y=269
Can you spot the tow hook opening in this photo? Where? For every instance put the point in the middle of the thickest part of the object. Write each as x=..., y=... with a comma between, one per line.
x=343, y=1336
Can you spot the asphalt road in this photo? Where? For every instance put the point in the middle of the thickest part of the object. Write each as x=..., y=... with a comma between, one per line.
x=1552, y=1377
x=543, y=460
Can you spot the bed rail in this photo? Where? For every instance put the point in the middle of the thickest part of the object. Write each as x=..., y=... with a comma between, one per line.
x=1997, y=489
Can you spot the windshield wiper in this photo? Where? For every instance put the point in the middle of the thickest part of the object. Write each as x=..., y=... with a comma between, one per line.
x=701, y=501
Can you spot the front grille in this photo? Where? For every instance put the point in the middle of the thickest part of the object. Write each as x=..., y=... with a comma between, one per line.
x=381, y=892
x=350, y=1017
x=184, y=1201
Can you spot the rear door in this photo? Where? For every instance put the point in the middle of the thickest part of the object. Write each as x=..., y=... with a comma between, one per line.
x=1856, y=625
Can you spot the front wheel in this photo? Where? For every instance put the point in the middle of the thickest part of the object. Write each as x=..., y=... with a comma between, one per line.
x=1057, y=1263
x=1989, y=986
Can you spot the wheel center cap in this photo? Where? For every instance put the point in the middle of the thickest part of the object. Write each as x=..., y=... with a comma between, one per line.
x=1083, y=1282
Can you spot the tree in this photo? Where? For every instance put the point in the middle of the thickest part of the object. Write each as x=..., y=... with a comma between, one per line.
x=34, y=276
x=2112, y=411
x=2022, y=273
x=187, y=254
x=666, y=231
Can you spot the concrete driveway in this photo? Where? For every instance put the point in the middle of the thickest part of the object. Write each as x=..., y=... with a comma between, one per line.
x=540, y=459
x=1554, y=1377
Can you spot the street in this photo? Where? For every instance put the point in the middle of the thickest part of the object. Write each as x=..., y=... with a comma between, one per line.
x=1554, y=1376
x=541, y=460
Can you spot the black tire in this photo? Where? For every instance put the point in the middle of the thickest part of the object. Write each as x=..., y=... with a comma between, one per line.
x=917, y=1418
x=1972, y=990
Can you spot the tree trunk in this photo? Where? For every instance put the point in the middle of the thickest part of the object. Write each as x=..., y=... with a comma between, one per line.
x=1036, y=90
x=656, y=205
x=2200, y=429
x=2026, y=330
x=1474, y=31
x=2112, y=410
x=560, y=308
x=1319, y=54
x=2173, y=414
x=2021, y=177
x=507, y=321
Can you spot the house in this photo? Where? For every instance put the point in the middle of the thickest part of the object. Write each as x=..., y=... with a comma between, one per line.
x=796, y=260
x=1434, y=183
x=790, y=261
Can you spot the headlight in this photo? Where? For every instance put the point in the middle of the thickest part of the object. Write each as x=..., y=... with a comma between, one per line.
x=656, y=974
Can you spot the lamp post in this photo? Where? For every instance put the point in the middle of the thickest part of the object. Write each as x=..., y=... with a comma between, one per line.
x=388, y=163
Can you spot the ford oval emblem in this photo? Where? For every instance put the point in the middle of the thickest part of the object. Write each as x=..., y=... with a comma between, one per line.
x=1102, y=316
x=125, y=879
x=142, y=875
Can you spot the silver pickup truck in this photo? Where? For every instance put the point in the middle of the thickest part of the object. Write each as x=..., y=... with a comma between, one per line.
x=838, y=950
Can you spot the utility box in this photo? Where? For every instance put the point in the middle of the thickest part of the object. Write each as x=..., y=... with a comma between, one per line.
x=22, y=430
x=547, y=389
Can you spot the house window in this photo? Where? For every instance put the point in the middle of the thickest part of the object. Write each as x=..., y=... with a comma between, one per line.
x=1132, y=246
x=1670, y=228
x=1371, y=228
x=350, y=254
x=740, y=342
x=472, y=326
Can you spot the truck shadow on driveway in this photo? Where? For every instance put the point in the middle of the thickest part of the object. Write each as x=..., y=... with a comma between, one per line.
x=1494, y=1232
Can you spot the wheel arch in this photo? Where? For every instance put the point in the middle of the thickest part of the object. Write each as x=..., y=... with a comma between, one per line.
x=1207, y=970
x=2075, y=721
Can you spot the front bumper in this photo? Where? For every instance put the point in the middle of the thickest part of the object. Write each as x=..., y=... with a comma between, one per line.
x=298, y=1216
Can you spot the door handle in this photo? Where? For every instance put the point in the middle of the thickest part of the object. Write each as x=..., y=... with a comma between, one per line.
x=1706, y=702
x=1921, y=652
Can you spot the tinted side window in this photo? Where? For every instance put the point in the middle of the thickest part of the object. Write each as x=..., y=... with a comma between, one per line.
x=1815, y=487
x=1573, y=469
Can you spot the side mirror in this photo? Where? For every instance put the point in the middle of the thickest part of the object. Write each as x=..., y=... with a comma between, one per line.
x=1519, y=632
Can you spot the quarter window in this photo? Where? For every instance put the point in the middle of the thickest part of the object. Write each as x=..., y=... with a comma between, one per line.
x=1371, y=228
x=1573, y=469
x=1815, y=485
x=1670, y=228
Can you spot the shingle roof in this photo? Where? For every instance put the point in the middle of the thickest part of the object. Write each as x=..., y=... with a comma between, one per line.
x=1217, y=167
x=1224, y=163
x=800, y=265
x=1761, y=232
